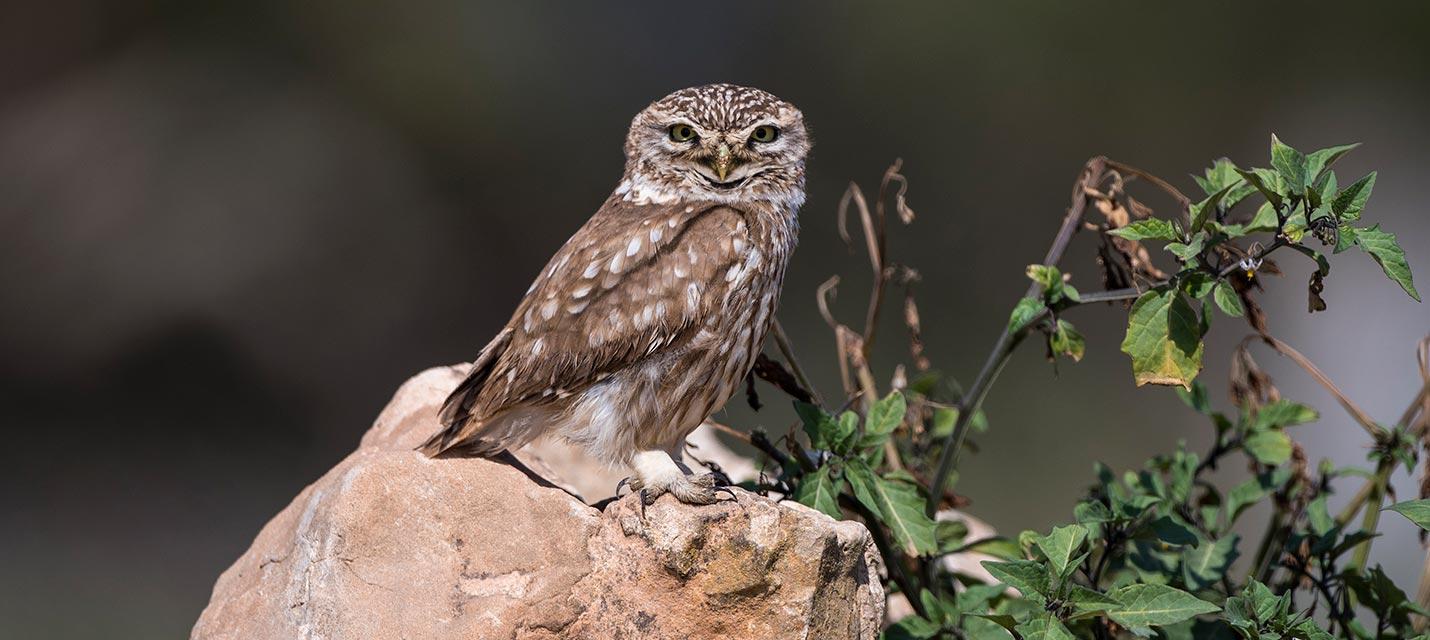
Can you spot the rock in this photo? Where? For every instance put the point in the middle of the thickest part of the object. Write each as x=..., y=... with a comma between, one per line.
x=391, y=544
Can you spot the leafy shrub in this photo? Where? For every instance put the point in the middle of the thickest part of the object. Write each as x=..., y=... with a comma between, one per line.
x=1151, y=550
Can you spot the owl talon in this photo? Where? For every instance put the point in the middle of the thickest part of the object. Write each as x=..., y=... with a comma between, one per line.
x=702, y=489
x=697, y=490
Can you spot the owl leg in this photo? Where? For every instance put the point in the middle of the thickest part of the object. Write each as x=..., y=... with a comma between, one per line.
x=657, y=473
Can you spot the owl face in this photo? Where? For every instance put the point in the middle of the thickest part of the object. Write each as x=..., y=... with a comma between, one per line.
x=718, y=142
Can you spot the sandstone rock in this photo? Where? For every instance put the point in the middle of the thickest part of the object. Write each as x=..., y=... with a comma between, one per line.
x=390, y=544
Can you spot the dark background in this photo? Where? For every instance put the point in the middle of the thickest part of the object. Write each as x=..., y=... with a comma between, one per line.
x=228, y=230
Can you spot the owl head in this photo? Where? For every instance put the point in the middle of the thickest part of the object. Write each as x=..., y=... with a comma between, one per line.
x=718, y=142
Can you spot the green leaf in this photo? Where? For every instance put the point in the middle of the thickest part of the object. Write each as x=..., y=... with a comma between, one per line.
x=1047, y=277
x=1267, y=182
x=1326, y=186
x=1383, y=247
x=980, y=629
x=823, y=430
x=1418, y=511
x=1024, y=313
x=1196, y=398
x=1269, y=447
x=1283, y=413
x=998, y=547
x=1348, y=204
x=1045, y=627
x=1264, y=220
x=1028, y=577
x=950, y=535
x=1066, y=341
x=1169, y=530
x=1205, y=564
x=1201, y=212
x=1085, y=600
x=1290, y=164
x=1164, y=339
x=886, y=415
x=1222, y=173
x=1060, y=545
x=1188, y=250
x=1229, y=230
x=1345, y=237
x=1197, y=284
x=1227, y=300
x=849, y=423
x=1151, y=605
x=1243, y=496
x=897, y=503
x=975, y=598
x=912, y=627
x=1092, y=512
x=1321, y=159
x=1309, y=630
x=1149, y=229
x=936, y=610
x=1295, y=226
x=820, y=492
x=1319, y=516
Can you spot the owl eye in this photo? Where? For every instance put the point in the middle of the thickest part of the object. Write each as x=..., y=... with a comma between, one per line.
x=682, y=133
x=764, y=133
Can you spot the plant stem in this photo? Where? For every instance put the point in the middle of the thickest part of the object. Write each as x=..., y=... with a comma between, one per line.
x=969, y=404
x=787, y=350
x=1372, y=511
x=1361, y=417
x=1261, y=567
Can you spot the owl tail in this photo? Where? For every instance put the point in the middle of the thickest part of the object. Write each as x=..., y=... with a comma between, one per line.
x=459, y=424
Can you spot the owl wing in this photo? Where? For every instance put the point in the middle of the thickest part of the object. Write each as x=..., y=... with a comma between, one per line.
x=634, y=280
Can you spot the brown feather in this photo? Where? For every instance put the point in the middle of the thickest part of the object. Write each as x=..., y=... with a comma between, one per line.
x=647, y=319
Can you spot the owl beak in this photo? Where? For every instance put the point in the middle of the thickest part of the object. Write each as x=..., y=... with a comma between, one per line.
x=724, y=161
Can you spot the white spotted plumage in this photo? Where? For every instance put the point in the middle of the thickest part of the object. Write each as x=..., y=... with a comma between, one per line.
x=650, y=316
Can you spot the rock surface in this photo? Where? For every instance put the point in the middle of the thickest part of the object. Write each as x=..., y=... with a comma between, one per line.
x=390, y=544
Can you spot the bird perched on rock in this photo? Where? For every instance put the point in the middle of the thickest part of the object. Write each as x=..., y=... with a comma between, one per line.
x=647, y=320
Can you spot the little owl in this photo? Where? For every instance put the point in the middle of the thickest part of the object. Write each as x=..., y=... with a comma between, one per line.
x=648, y=319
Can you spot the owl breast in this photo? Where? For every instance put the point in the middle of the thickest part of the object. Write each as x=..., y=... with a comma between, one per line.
x=657, y=403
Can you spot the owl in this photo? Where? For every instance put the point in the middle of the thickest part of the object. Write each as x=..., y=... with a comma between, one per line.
x=648, y=319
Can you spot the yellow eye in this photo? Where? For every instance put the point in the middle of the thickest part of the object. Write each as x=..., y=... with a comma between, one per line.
x=682, y=133
x=764, y=133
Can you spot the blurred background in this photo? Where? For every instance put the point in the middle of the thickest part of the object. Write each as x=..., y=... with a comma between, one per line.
x=229, y=230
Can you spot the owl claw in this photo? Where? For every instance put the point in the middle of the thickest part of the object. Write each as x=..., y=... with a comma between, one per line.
x=698, y=490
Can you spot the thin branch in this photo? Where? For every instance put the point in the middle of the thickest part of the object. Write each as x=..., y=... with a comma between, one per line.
x=787, y=350
x=729, y=431
x=969, y=404
x=1176, y=193
x=1360, y=416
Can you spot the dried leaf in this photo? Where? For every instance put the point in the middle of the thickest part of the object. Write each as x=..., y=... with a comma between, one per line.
x=1122, y=260
x=775, y=373
x=1315, y=302
x=901, y=205
x=1251, y=387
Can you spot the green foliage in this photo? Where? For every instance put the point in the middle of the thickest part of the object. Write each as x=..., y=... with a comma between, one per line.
x=1164, y=339
x=1150, y=551
x=1149, y=229
x=1155, y=605
x=897, y=503
x=1383, y=247
x=1418, y=511
x=820, y=491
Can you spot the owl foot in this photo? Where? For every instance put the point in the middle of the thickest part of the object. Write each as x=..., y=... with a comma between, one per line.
x=702, y=489
x=658, y=474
